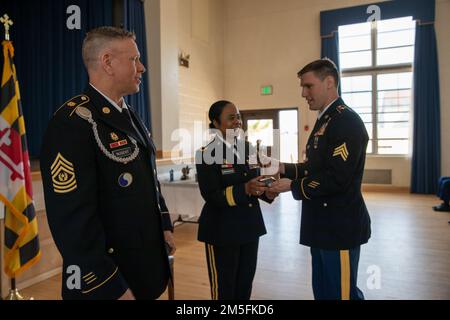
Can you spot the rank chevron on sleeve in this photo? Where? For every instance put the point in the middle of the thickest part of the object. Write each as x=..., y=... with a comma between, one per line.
x=63, y=175
x=341, y=151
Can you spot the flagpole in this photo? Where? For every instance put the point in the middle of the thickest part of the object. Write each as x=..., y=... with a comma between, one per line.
x=14, y=293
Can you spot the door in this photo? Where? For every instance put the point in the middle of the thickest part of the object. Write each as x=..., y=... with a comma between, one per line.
x=277, y=129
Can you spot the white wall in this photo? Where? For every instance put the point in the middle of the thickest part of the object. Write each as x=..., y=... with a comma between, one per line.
x=181, y=96
x=201, y=35
x=268, y=41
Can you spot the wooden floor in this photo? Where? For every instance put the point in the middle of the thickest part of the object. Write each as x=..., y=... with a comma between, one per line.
x=410, y=247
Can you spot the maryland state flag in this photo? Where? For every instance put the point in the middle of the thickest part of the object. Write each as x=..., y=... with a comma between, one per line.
x=21, y=229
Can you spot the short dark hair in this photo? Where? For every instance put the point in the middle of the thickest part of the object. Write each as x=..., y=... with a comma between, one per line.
x=98, y=38
x=215, y=111
x=322, y=68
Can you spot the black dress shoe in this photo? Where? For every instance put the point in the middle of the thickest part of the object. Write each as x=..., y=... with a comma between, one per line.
x=442, y=207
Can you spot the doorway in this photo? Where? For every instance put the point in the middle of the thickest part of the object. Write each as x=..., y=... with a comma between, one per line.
x=274, y=127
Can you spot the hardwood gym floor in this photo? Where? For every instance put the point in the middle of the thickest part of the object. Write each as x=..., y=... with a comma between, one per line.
x=410, y=248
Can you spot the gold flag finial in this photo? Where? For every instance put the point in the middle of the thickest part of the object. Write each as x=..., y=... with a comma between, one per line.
x=7, y=23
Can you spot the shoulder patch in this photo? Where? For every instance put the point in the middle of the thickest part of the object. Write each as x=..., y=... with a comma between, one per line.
x=74, y=103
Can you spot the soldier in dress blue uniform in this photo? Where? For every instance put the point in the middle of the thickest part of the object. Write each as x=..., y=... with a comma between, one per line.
x=335, y=221
x=103, y=200
x=231, y=222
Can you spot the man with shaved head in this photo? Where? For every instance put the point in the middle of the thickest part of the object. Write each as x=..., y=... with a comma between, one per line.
x=103, y=199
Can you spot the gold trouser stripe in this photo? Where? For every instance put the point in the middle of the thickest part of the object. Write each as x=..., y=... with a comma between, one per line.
x=345, y=275
x=296, y=172
x=229, y=196
x=303, y=190
x=213, y=270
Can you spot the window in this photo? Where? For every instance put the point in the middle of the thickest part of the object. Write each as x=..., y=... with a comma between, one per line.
x=376, y=81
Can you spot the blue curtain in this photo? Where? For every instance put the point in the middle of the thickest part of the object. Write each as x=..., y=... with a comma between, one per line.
x=330, y=49
x=134, y=20
x=48, y=56
x=426, y=160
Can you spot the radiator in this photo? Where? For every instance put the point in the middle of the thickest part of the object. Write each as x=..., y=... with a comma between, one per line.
x=377, y=176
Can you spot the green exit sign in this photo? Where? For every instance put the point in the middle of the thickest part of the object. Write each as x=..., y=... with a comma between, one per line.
x=266, y=90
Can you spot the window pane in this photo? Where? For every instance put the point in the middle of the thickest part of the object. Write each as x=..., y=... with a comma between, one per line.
x=395, y=38
x=395, y=56
x=393, y=146
x=393, y=116
x=394, y=101
x=358, y=83
x=362, y=110
x=393, y=130
x=369, y=129
x=356, y=43
x=365, y=117
x=355, y=59
x=394, y=96
x=396, y=24
x=358, y=100
x=369, y=147
x=354, y=29
x=393, y=81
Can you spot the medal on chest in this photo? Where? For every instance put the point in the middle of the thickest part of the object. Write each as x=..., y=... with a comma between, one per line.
x=320, y=133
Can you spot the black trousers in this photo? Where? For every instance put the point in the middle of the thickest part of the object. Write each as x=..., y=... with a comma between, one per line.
x=231, y=270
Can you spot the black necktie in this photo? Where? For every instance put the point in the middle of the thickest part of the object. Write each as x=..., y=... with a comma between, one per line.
x=136, y=129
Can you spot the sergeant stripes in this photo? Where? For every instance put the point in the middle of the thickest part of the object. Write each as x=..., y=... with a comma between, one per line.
x=341, y=151
x=101, y=284
x=313, y=184
x=63, y=175
x=89, y=278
